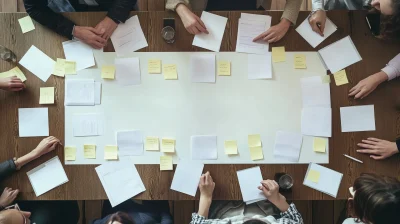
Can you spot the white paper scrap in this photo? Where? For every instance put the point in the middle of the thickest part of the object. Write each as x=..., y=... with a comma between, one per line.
x=187, y=177
x=33, y=122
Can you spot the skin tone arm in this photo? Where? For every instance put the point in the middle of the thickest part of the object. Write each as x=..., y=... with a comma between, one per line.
x=107, y=27
x=275, y=33
x=317, y=21
x=378, y=148
x=192, y=23
x=11, y=84
x=206, y=186
x=367, y=85
x=90, y=36
x=270, y=188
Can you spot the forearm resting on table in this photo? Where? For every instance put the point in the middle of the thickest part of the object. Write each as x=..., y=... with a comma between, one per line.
x=21, y=161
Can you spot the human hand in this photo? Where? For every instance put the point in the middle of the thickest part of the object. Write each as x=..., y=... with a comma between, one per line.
x=45, y=146
x=90, y=36
x=367, y=85
x=11, y=84
x=270, y=188
x=206, y=186
x=380, y=149
x=274, y=33
x=317, y=21
x=8, y=196
x=107, y=27
x=192, y=23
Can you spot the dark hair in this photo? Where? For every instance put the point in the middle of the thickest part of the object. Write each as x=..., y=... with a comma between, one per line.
x=254, y=221
x=121, y=217
x=390, y=25
x=376, y=199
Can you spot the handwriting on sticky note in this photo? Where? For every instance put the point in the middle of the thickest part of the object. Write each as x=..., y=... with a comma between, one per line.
x=319, y=144
x=70, y=67
x=70, y=153
x=108, y=71
x=224, y=68
x=300, y=61
x=26, y=24
x=231, y=147
x=170, y=72
x=313, y=176
x=166, y=163
x=154, y=66
x=340, y=77
x=151, y=144
x=59, y=69
x=167, y=145
x=278, y=54
x=256, y=153
x=254, y=140
x=46, y=95
x=89, y=151
x=326, y=79
x=110, y=152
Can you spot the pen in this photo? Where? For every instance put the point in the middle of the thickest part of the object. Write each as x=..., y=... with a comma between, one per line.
x=352, y=158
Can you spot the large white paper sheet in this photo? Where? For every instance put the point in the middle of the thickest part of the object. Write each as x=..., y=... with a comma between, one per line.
x=315, y=93
x=47, y=176
x=250, y=26
x=79, y=92
x=329, y=180
x=127, y=71
x=97, y=93
x=88, y=124
x=130, y=143
x=249, y=181
x=259, y=66
x=38, y=63
x=204, y=147
x=316, y=121
x=313, y=38
x=216, y=27
x=357, y=118
x=33, y=122
x=202, y=67
x=79, y=52
x=288, y=146
x=187, y=176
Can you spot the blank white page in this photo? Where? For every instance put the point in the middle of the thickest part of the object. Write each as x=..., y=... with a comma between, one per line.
x=130, y=143
x=313, y=38
x=288, y=145
x=204, y=147
x=249, y=181
x=357, y=118
x=316, y=121
x=33, y=122
x=259, y=66
x=38, y=63
x=127, y=71
x=315, y=93
x=329, y=180
x=216, y=27
x=202, y=67
x=187, y=177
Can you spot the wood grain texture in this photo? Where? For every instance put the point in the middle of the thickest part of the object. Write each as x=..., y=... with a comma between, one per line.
x=8, y=6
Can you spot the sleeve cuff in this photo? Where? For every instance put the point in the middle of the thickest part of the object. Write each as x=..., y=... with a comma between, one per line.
x=290, y=18
x=172, y=6
x=291, y=210
x=390, y=72
x=398, y=144
x=12, y=164
x=196, y=218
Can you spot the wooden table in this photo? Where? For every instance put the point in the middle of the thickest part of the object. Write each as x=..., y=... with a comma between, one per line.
x=83, y=181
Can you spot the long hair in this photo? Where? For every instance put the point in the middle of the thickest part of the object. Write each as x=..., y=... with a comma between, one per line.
x=390, y=25
x=120, y=217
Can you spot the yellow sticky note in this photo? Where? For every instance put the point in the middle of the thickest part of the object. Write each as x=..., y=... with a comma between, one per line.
x=166, y=163
x=254, y=140
x=108, y=72
x=59, y=67
x=111, y=152
x=340, y=77
x=70, y=153
x=70, y=67
x=26, y=24
x=17, y=72
x=300, y=61
x=278, y=54
x=167, y=145
x=231, y=147
x=154, y=66
x=151, y=144
x=313, y=176
x=170, y=72
x=224, y=68
x=326, y=79
x=46, y=95
x=319, y=144
x=89, y=151
x=256, y=153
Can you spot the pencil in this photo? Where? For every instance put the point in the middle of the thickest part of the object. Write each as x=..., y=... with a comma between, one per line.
x=352, y=158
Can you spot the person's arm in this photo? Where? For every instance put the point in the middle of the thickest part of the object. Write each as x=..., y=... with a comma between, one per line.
x=392, y=69
x=291, y=11
x=119, y=12
x=291, y=215
x=7, y=168
x=166, y=218
x=206, y=186
x=172, y=4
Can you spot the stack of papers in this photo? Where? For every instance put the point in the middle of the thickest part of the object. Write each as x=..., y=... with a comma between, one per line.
x=323, y=179
x=250, y=26
x=88, y=124
x=82, y=92
x=47, y=176
x=204, y=147
x=288, y=146
x=202, y=67
x=249, y=181
x=127, y=71
x=216, y=27
x=130, y=143
x=259, y=66
x=38, y=63
x=313, y=38
x=33, y=122
x=120, y=180
x=357, y=118
x=79, y=52
x=187, y=177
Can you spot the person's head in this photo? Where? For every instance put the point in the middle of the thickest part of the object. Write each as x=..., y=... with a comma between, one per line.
x=254, y=221
x=387, y=7
x=376, y=199
x=13, y=215
x=119, y=218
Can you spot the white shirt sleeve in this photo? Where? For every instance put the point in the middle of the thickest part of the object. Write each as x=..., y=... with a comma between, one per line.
x=317, y=5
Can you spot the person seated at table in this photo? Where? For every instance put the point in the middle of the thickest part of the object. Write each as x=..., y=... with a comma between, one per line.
x=272, y=211
x=47, y=13
x=194, y=25
x=131, y=212
x=11, y=84
x=374, y=199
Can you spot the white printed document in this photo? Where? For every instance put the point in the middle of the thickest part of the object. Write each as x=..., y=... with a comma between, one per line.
x=88, y=124
x=33, y=122
x=250, y=26
x=130, y=143
x=81, y=53
x=216, y=27
x=38, y=63
x=249, y=181
x=313, y=38
x=187, y=177
x=79, y=92
x=357, y=118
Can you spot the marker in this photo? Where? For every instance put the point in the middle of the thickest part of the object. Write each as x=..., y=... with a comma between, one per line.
x=352, y=158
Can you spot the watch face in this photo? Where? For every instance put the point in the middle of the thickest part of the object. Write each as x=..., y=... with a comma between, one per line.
x=168, y=33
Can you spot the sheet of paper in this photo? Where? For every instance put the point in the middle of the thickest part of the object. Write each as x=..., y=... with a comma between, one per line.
x=80, y=53
x=314, y=92
x=97, y=93
x=52, y=172
x=316, y=121
x=202, y=67
x=128, y=37
x=70, y=153
x=254, y=140
x=108, y=72
x=216, y=27
x=340, y=54
x=26, y=24
x=313, y=176
x=89, y=151
x=231, y=147
x=204, y=147
x=224, y=68
x=187, y=176
x=340, y=78
x=249, y=180
x=313, y=38
x=278, y=54
x=46, y=95
x=154, y=66
x=38, y=63
x=88, y=124
x=319, y=144
x=79, y=92
x=70, y=67
x=14, y=72
x=328, y=182
x=33, y=122
x=120, y=180
x=357, y=118
x=256, y=153
x=326, y=79
x=152, y=144
x=127, y=71
x=288, y=146
x=130, y=143
x=111, y=152
x=170, y=72
x=167, y=145
x=259, y=66
x=300, y=61
x=59, y=68
x=166, y=163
